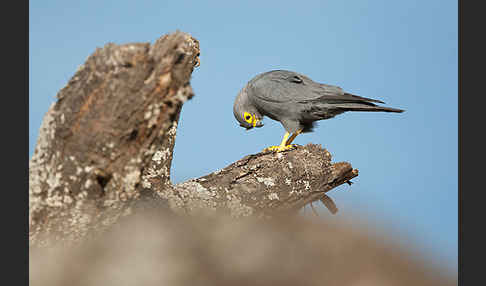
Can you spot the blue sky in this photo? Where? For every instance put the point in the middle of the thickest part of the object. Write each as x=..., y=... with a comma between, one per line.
x=401, y=52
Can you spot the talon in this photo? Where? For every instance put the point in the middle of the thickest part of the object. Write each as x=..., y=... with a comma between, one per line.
x=271, y=148
x=279, y=148
x=285, y=145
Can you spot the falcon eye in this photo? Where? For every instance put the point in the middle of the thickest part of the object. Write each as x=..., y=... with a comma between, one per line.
x=248, y=117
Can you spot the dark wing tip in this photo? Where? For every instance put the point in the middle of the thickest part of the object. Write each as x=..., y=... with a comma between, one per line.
x=390, y=109
x=364, y=98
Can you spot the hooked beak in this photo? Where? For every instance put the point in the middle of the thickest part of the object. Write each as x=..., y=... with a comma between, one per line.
x=246, y=127
x=258, y=125
x=255, y=123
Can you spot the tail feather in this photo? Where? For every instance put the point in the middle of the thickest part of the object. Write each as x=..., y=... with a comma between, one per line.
x=358, y=103
x=367, y=108
x=346, y=98
x=350, y=102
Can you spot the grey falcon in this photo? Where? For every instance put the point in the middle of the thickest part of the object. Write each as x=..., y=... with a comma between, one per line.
x=296, y=101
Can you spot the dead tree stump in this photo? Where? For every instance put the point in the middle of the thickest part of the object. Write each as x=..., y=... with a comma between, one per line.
x=108, y=141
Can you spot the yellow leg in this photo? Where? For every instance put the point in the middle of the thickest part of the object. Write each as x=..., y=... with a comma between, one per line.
x=293, y=137
x=284, y=140
x=283, y=146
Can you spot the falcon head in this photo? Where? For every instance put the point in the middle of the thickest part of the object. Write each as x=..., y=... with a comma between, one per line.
x=245, y=113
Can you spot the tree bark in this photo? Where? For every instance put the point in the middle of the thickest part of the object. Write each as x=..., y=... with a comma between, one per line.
x=108, y=142
x=263, y=184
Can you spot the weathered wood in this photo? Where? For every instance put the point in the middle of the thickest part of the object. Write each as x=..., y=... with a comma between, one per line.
x=118, y=110
x=263, y=184
x=107, y=143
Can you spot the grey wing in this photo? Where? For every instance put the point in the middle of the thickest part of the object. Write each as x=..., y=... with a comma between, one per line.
x=286, y=86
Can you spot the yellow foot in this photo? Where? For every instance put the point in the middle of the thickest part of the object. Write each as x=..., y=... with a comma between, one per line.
x=279, y=148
